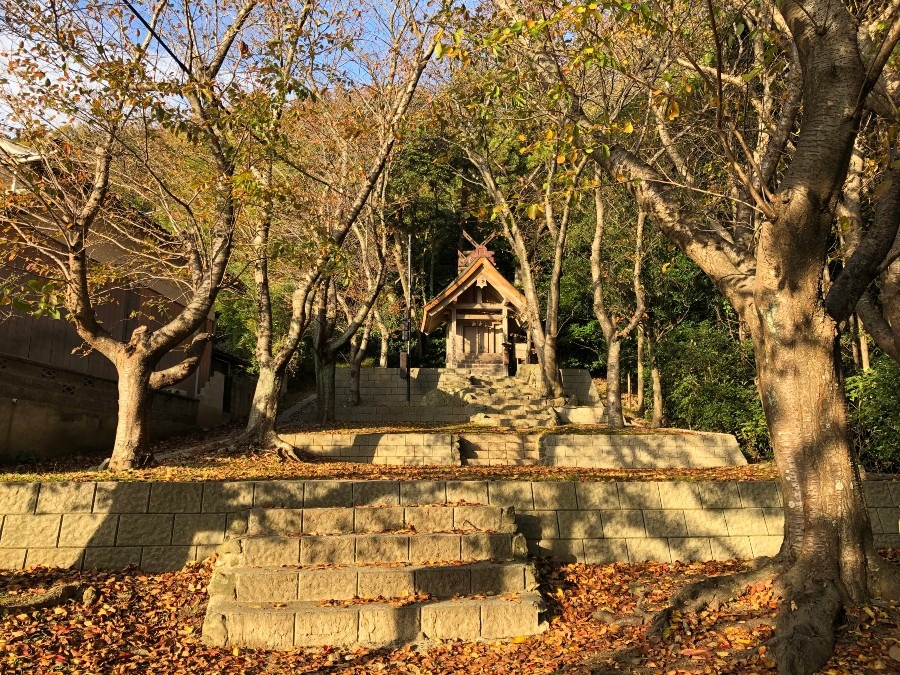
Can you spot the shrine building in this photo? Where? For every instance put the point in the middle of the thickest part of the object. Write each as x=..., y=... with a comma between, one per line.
x=482, y=311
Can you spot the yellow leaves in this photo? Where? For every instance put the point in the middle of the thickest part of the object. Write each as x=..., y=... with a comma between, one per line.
x=628, y=128
x=550, y=134
x=673, y=110
x=560, y=159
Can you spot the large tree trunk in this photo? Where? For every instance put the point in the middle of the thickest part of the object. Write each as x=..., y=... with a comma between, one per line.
x=264, y=410
x=614, y=419
x=827, y=535
x=132, y=445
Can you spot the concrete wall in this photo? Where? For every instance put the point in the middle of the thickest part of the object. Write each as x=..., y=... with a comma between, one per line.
x=46, y=412
x=161, y=526
x=49, y=412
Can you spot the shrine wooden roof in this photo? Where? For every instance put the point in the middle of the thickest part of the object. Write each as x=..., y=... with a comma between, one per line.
x=481, y=268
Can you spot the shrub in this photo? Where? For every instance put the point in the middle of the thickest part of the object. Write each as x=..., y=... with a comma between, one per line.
x=874, y=400
x=708, y=384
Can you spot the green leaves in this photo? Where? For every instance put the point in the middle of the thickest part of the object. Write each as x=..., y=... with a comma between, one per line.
x=36, y=297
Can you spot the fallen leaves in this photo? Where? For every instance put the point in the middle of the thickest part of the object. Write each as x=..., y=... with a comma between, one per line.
x=151, y=623
x=213, y=466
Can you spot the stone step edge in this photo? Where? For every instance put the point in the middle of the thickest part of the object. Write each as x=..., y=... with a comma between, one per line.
x=303, y=624
x=431, y=519
x=263, y=584
x=350, y=549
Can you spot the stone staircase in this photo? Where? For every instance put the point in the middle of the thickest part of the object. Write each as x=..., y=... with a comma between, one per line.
x=501, y=401
x=373, y=576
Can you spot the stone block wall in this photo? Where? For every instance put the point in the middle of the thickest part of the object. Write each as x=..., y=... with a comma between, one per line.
x=407, y=449
x=603, y=451
x=161, y=526
x=383, y=387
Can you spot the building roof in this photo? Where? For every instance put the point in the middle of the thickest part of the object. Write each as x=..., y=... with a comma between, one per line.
x=12, y=151
x=481, y=268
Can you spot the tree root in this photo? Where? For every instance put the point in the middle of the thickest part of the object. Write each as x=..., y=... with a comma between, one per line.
x=804, y=633
x=884, y=578
x=712, y=592
x=283, y=449
x=143, y=461
x=809, y=609
x=270, y=443
x=57, y=595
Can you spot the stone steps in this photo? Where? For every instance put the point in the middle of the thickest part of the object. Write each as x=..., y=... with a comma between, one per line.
x=377, y=519
x=287, y=584
x=503, y=401
x=350, y=549
x=372, y=575
x=286, y=625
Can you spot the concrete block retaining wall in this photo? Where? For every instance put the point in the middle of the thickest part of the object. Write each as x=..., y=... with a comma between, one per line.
x=603, y=451
x=636, y=451
x=161, y=526
x=407, y=449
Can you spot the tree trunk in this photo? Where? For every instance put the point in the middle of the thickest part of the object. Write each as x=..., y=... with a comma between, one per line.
x=854, y=341
x=326, y=369
x=640, y=408
x=359, y=345
x=385, y=345
x=658, y=417
x=614, y=419
x=132, y=445
x=355, y=363
x=863, y=345
x=264, y=411
x=550, y=369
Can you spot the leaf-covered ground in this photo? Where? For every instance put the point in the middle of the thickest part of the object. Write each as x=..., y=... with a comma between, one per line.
x=151, y=624
x=202, y=457
x=215, y=466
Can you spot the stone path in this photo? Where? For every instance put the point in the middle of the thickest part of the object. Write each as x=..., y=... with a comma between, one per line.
x=374, y=576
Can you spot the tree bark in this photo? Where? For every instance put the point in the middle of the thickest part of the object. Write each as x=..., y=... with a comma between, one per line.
x=132, y=445
x=614, y=419
x=260, y=428
x=384, y=338
x=639, y=406
x=326, y=369
x=658, y=417
x=359, y=344
x=863, y=344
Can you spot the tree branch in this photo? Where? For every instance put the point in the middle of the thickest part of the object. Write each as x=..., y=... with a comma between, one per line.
x=162, y=379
